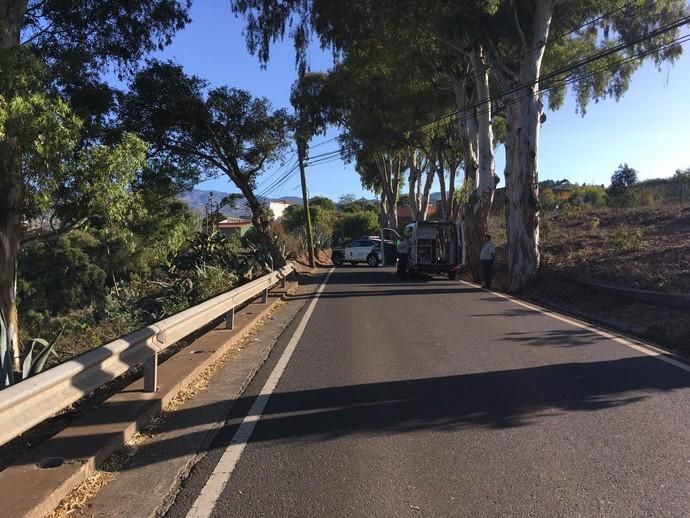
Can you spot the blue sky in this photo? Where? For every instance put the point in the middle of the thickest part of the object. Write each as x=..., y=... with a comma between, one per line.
x=647, y=128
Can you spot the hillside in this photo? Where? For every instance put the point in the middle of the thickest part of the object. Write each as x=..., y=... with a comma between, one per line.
x=641, y=248
x=197, y=199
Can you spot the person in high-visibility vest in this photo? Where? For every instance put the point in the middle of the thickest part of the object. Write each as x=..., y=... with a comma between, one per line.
x=403, y=253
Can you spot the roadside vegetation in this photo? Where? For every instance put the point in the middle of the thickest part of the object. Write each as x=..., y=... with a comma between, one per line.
x=631, y=234
x=92, y=240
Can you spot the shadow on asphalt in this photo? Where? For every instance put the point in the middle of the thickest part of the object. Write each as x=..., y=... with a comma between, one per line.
x=403, y=291
x=556, y=337
x=494, y=400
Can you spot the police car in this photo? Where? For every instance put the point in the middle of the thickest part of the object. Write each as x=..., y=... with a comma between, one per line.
x=362, y=250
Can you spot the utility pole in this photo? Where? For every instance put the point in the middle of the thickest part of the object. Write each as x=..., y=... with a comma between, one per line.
x=301, y=152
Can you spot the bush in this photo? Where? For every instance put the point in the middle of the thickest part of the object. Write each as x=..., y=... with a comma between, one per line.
x=593, y=195
x=629, y=240
x=359, y=224
x=620, y=192
x=547, y=199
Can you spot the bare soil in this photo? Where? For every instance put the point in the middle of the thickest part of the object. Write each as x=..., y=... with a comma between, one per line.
x=641, y=248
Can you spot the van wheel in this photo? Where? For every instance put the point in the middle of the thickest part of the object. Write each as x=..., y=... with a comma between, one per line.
x=372, y=260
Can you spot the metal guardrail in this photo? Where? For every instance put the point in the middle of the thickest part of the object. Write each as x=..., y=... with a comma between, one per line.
x=30, y=402
x=658, y=298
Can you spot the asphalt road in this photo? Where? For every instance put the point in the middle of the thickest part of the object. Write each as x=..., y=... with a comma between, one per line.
x=435, y=398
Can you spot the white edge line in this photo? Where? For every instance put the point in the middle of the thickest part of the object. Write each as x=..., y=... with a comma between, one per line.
x=654, y=352
x=208, y=497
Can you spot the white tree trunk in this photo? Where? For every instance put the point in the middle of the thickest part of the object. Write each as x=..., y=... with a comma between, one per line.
x=390, y=171
x=523, y=114
x=429, y=181
x=476, y=211
x=11, y=20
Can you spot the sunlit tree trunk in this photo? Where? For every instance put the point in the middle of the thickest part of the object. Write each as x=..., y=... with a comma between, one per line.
x=11, y=16
x=523, y=116
x=480, y=163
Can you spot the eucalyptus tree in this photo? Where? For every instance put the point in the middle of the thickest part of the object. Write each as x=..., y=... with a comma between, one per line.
x=527, y=48
x=537, y=49
x=386, y=39
x=54, y=108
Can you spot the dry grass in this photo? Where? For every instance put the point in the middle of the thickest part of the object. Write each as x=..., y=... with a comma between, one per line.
x=643, y=248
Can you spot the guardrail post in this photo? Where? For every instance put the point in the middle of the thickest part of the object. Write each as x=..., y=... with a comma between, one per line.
x=264, y=296
x=151, y=373
x=230, y=319
x=283, y=281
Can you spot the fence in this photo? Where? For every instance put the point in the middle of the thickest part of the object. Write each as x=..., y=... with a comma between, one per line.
x=30, y=402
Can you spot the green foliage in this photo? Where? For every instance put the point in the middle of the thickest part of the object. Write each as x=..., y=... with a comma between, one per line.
x=547, y=199
x=619, y=193
x=594, y=223
x=61, y=276
x=39, y=352
x=219, y=130
x=357, y=224
x=349, y=204
x=323, y=219
x=629, y=240
x=593, y=195
x=321, y=201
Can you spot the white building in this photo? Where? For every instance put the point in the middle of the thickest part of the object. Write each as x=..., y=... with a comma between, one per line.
x=278, y=208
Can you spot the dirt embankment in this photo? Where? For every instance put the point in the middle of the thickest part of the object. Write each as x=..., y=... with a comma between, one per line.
x=644, y=249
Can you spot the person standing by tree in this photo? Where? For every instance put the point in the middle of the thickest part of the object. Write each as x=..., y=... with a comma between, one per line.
x=403, y=250
x=487, y=256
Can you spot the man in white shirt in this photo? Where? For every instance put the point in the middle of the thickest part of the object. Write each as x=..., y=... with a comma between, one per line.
x=403, y=254
x=487, y=256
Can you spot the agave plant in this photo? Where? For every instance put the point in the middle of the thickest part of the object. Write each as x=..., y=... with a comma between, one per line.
x=35, y=360
x=39, y=352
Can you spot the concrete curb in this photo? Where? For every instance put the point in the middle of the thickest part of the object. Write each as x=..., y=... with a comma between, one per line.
x=615, y=325
x=165, y=460
x=30, y=491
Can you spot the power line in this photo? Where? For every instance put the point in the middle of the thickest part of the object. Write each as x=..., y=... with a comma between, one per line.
x=573, y=79
x=586, y=75
x=568, y=68
x=549, y=41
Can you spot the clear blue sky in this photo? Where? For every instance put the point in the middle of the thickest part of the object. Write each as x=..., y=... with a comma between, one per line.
x=647, y=128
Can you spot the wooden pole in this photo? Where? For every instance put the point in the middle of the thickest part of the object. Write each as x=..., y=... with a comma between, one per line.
x=301, y=152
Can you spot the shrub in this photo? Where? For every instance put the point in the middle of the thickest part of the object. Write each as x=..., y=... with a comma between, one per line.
x=619, y=194
x=629, y=240
x=359, y=224
x=594, y=224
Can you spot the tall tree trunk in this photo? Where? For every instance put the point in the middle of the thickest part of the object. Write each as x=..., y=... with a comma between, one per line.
x=442, y=183
x=389, y=169
x=428, y=182
x=10, y=238
x=478, y=206
x=523, y=115
x=11, y=19
x=412, y=180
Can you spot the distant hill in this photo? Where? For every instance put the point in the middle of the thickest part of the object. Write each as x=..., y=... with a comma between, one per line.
x=197, y=199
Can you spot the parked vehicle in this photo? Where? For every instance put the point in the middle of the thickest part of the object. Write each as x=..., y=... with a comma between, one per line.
x=435, y=247
x=362, y=250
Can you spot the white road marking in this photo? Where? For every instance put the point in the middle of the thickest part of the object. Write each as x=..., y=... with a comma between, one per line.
x=210, y=493
x=649, y=350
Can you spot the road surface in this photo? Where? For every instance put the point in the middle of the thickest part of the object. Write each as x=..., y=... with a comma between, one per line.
x=436, y=398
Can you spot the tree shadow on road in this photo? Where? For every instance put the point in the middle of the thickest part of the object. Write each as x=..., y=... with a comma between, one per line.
x=490, y=400
x=557, y=338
